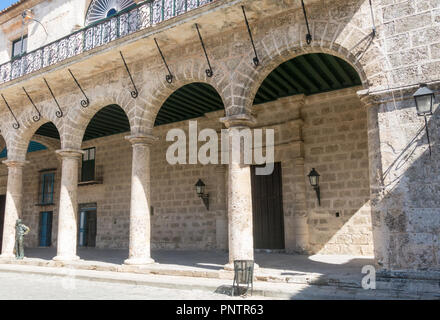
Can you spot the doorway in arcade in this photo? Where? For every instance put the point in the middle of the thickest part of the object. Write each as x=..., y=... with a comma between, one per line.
x=87, y=225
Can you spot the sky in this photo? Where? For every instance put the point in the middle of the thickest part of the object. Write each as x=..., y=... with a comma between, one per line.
x=6, y=3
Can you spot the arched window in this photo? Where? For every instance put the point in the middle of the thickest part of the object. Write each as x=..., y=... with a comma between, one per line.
x=101, y=9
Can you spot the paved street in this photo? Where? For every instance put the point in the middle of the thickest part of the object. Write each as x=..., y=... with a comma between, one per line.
x=28, y=286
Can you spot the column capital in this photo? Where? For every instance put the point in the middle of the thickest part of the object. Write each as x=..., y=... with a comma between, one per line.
x=146, y=139
x=70, y=153
x=367, y=98
x=15, y=163
x=238, y=120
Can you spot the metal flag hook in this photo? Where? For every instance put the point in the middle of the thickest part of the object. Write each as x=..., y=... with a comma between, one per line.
x=84, y=103
x=256, y=60
x=59, y=112
x=37, y=117
x=135, y=92
x=169, y=76
x=308, y=35
x=209, y=71
x=16, y=125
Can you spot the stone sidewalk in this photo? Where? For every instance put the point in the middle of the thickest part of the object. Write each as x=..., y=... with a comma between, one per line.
x=273, y=267
x=279, y=275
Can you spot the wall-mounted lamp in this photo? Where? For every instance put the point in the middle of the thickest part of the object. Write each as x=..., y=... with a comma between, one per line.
x=200, y=189
x=424, y=98
x=314, y=182
x=27, y=16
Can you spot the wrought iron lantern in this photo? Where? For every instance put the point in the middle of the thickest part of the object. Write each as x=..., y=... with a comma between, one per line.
x=314, y=182
x=424, y=98
x=200, y=190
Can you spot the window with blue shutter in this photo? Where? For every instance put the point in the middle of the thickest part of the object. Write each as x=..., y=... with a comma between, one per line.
x=47, y=187
x=88, y=165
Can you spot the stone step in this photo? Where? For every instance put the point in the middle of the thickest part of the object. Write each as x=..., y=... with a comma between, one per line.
x=176, y=270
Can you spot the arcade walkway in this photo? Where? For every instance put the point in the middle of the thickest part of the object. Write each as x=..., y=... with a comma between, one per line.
x=276, y=267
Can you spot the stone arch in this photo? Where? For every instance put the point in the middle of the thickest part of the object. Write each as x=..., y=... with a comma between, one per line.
x=165, y=90
x=19, y=138
x=79, y=117
x=344, y=41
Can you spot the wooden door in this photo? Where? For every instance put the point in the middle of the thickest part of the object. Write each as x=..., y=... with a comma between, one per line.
x=87, y=228
x=2, y=217
x=267, y=204
x=45, y=233
x=91, y=228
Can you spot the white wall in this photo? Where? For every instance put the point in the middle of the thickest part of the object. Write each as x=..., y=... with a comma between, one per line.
x=59, y=17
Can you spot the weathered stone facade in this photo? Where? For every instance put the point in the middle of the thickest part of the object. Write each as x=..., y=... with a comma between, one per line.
x=179, y=218
x=376, y=170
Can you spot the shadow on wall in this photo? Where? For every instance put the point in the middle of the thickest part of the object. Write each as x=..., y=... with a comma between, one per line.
x=336, y=144
x=406, y=214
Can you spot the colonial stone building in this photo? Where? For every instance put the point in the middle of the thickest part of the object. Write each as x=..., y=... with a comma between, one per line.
x=91, y=88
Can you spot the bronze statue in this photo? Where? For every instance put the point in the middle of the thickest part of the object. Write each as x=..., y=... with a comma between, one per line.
x=20, y=231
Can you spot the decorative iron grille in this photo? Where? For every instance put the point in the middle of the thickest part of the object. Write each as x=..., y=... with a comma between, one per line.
x=125, y=22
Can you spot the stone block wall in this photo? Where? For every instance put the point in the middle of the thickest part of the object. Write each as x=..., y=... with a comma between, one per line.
x=405, y=181
x=39, y=160
x=336, y=145
x=180, y=218
x=327, y=132
x=410, y=32
x=112, y=197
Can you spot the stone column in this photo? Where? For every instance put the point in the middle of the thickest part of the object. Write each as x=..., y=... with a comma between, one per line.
x=221, y=219
x=376, y=181
x=13, y=207
x=301, y=228
x=241, y=239
x=67, y=216
x=139, y=251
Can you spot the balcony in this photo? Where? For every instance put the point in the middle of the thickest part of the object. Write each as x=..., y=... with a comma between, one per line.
x=144, y=15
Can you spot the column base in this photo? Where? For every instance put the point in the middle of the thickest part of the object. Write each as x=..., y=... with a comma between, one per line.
x=66, y=258
x=6, y=256
x=138, y=261
x=230, y=267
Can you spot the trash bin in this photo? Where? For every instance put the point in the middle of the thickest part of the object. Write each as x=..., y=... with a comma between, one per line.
x=243, y=274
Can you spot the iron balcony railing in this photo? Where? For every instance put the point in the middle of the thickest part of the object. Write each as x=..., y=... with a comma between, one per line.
x=141, y=16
